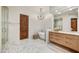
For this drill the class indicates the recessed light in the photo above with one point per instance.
(70, 9)
(59, 12)
(56, 10)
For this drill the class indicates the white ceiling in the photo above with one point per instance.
(58, 10)
(36, 9)
(33, 9)
(52, 9)
(47, 9)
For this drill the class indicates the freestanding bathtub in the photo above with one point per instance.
(42, 35)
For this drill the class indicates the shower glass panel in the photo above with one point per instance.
(4, 26)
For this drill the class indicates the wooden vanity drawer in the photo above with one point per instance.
(71, 43)
(68, 40)
(78, 44)
(57, 40)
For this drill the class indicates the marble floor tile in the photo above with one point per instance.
(32, 46)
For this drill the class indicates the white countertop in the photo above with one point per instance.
(73, 33)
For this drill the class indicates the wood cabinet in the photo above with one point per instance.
(67, 40)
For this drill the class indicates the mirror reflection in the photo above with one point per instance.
(66, 21)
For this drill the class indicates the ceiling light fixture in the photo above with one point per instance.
(56, 10)
(59, 12)
(41, 16)
(70, 9)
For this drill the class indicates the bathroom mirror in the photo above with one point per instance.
(66, 20)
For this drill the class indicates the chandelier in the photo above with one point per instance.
(41, 16)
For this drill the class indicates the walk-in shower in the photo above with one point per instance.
(4, 26)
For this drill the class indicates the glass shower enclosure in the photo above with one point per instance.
(4, 26)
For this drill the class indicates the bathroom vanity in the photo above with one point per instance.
(66, 39)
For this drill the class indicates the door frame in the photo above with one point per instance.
(28, 25)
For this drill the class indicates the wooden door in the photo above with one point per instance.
(23, 26)
(74, 24)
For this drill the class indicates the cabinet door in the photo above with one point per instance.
(78, 44)
(57, 37)
(71, 41)
(23, 26)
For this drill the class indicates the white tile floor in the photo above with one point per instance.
(33, 46)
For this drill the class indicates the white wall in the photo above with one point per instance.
(0, 29)
(35, 25)
(47, 22)
(67, 22)
(14, 23)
